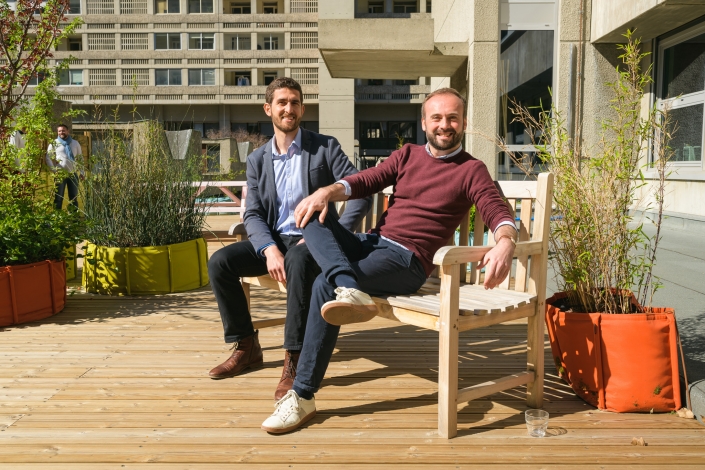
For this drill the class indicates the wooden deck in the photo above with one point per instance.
(121, 383)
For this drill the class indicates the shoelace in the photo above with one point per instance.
(285, 412)
(343, 292)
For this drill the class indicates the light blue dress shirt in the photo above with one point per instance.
(288, 178)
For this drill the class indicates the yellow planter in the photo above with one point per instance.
(71, 262)
(145, 270)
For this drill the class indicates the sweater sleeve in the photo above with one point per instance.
(374, 180)
(489, 202)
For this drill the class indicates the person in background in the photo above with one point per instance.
(62, 155)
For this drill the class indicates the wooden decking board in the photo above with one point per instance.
(120, 383)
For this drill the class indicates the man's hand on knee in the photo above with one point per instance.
(316, 202)
(275, 263)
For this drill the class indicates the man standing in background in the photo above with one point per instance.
(61, 156)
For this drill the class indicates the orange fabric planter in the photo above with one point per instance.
(619, 363)
(30, 292)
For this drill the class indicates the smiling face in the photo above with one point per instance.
(286, 109)
(444, 122)
(62, 131)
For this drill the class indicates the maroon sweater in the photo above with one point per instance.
(430, 198)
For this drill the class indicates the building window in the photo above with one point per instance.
(134, 41)
(268, 77)
(386, 135)
(241, 42)
(375, 7)
(240, 8)
(201, 77)
(36, 79)
(249, 127)
(304, 6)
(206, 128)
(200, 6)
(74, 7)
(167, 41)
(271, 43)
(406, 82)
(270, 8)
(131, 77)
(71, 77)
(405, 7)
(204, 41)
(526, 79)
(100, 7)
(375, 82)
(101, 42)
(243, 78)
(167, 77)
(133, 7)
(102, 77)
(305, 76)
(168, 6)
(681, 90)
(75, 44)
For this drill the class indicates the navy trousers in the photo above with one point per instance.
(69, 183)
(381, 269)
(229, 264)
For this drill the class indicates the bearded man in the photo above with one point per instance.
(434, 187)
(294, 164)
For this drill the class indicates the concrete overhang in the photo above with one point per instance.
(394, 48)
(650, 18)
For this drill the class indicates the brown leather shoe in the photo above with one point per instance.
(247, 354)
(291, 360)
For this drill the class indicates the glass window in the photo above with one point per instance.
(200, 6)
(71, 77)
(375, 7)
(684, 68)
(166, 77)
(74, 7)
(75, 44)
(271, 43)
(375, 82)
(201, 41)
(269, 8)
(686, 143)
(241, 42)
(240, 8)
(405, 82)
(243, 78)
(201, 77)
(168, 6)
(405, 7)
(524, 78)
(167, 41)
(36, 79)
(269, 77)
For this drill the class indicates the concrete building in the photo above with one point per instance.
(205, 65)
(496, 50)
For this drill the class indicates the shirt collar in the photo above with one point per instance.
(443, 157)
(297, 142)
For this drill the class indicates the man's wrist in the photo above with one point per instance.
(508, 237)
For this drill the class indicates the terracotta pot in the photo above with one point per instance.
(622, 362)
(145, 270)
(30, 292)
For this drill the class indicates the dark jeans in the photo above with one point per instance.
(228, 264)
(70, 183)
(381, 268)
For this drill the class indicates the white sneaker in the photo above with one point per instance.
(349, 306)
(290, 413)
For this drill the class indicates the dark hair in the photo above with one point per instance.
(63, 125)
(444, 91)
(282, 82)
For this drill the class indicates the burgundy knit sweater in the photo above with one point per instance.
(430, 197)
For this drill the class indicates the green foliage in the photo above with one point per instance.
(599, 251)
(138, 195)
(30, 229)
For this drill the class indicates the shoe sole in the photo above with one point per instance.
(342, 313)
(250, 367)
(305, 420)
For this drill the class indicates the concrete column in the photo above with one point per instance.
(482, 82)
(388, 7)
(84, 41)
(253, 6)
(117, 6)
(422, 6)
(150, 7)
(336, 108)
(287, 40)
(118, 42)
(254, 77)
(287, 6)
(224, 114)
(253, 41)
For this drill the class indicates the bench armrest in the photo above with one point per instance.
(238, 228)
(471, 254)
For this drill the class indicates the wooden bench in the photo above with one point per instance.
(453, 300)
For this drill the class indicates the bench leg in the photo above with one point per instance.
(535, 359)
(448, 352)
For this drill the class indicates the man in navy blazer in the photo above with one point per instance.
(294, 164)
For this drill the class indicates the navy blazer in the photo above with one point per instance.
(322, 160)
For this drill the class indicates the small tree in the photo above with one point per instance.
(600, 253)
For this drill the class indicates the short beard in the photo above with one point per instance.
(438, 146)
(278, 124)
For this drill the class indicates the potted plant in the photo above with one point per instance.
(33, 236)
(145, 228)
(614, 348)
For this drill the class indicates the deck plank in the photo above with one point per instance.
(121, 383)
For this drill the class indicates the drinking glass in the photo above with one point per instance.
(536, 422)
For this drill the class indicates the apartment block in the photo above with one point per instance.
(205, 65)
